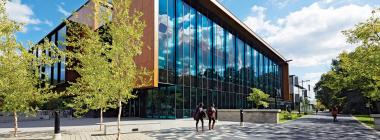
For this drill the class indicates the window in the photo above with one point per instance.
(166, 37)
(204, 50)
(248, 65)
(219, 56)
(62, 64)
(230, 56)
(192, 39)
(240, 61)
(181, 39)
(55, 72)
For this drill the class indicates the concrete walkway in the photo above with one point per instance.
(311, 127)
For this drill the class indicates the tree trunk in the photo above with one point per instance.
(118, 121)
(15, 123)
(101, 118)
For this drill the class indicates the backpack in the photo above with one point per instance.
(210, 112)
(199, 113)
(195, 113)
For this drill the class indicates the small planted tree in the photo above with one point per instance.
(258, 97)
(107, 68)
(90, 58)
(22, 82)
(126, 30)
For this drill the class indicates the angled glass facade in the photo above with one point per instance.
(201, 61)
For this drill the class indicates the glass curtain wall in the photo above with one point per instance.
(219, 62)
(202, 62)
(166, 41)
(55, 73)
(62, 64)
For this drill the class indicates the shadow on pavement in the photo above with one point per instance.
(314, 127)
(68, 122)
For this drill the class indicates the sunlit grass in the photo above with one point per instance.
(366, 119)
(285, 116)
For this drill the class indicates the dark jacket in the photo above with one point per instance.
(199, 113)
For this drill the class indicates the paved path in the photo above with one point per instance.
(311, 127)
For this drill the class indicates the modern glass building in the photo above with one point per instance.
(202, 53)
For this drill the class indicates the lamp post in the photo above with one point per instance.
(301, 99)
(277, 91)
(304, 102)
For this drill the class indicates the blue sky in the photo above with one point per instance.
(40, 16)
(306, 31)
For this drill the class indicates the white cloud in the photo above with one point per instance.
(281, 3)
(313, 75)
(327, 1)
(20, 12)
(310, 36)
(63, 11)
(49, 23)
(315, 33)
(259, 23)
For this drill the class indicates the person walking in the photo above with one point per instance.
(334, 113)
(199, 115)
(211, 113)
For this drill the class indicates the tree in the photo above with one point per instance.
(258, 97)
(23, 86)
(89, 57)
(354, 76)
(319, 106)
(363, 63)
(124, 28)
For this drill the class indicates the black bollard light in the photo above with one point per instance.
(241, 117)
(57, 126)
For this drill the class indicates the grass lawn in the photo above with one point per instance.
(366, 119)
(283, 115)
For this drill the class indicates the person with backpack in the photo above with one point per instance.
(199, 115)
(211, 113)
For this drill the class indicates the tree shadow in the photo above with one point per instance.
(69, 122)
(307, 128)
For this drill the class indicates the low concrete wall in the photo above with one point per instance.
(250, 115)
(6, 117)
(376, 118)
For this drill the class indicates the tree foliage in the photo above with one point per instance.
(89, 56)
(258, 97)
(105, 61)
(23, 85)
(355, 74)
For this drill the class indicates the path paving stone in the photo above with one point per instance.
(311, 127)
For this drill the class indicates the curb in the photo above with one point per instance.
(366, 126)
